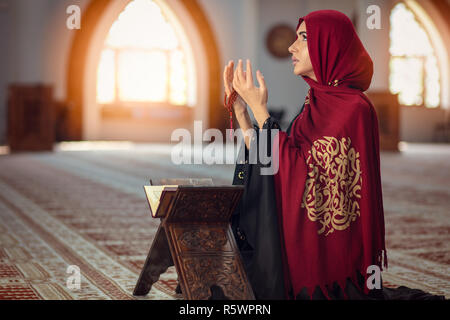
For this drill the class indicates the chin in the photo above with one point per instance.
(298, 71)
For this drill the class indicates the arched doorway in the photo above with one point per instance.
(87, 121)
(419, 69)
(417, 48)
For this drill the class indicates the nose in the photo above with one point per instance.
(291, 47)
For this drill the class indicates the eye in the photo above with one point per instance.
(302, 36)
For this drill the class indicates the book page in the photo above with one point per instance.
(154, 194)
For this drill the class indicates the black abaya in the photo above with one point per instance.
(255, 227)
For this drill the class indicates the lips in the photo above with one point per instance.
(294, 60)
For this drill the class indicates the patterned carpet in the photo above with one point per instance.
(84, 205)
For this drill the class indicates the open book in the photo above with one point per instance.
(155, 193)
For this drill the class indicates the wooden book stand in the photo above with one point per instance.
(195, 235)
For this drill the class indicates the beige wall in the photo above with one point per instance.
(37, 42)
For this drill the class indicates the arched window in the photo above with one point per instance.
(414, 72)
(144, 60)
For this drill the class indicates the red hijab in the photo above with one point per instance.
(328, 185)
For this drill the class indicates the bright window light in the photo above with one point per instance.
(143, 59)
(414, 72)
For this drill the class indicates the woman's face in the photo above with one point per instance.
(300, 54)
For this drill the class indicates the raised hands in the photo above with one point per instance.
(239, 106)
(255, 97)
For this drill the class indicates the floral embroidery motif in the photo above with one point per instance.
(333, 184)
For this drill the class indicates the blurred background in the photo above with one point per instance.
(136, 70)
(91, 91)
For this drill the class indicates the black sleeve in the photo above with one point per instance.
(242, 168)
(255, 224)
(271, 123)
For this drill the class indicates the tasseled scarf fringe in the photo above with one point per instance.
(381, 261)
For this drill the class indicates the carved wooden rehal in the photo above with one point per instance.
(196, 236)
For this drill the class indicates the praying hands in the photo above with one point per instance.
(255, 97)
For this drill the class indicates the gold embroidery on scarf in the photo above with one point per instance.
(333, 184)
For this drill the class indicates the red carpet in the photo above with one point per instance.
(87, 208)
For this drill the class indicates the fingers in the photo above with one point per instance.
(261, 81)
(225, 81)
(228, 77)
(249, 74)
(230, 71)
(242, 78)
(236, 79)
(240, 71)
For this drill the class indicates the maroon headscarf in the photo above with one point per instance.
(328, 185)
